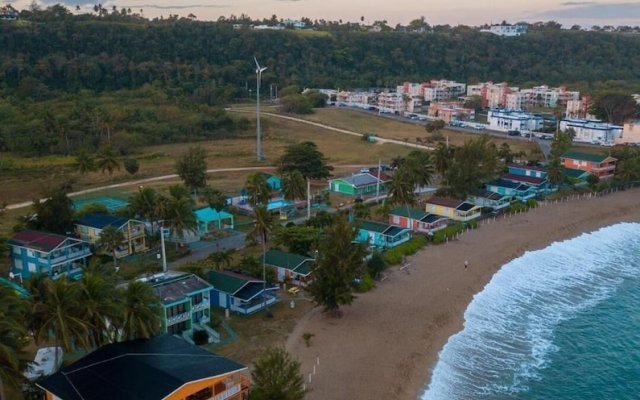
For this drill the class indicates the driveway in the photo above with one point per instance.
(201, 249)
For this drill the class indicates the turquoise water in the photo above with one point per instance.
(111, 203)
(559, 323)
(277, 204)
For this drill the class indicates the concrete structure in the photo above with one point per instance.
(90, 226)
(600, 165)
(8, 13)
(417, 220)
(450, 111)
(209, 219)
(392, 102)
(356, 99)
(443, 90)
(453, 209)
(162, 367)
(493, 95)
(630, 133)
(506, 30)
(540, 96)
(579, 108)
(381, 236)
(592, 131)
(508, 120)
(289, 268)
(33, 252)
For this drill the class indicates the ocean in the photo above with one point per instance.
(561, 323)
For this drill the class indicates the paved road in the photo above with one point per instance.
(203, 248)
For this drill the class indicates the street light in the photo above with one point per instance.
(259, 71)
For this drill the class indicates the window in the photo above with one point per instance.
(197, 299)
(202, 394)
(175, 310)
(177, 329)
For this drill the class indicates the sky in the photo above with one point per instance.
(436, 12)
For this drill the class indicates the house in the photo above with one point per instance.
(162, 367)
(630, 133)
(209, 219)
(507, 30)
(510, 120)
(540, 96)
(487, 199)
(576, 177)
(186, 303)
(33, 252)
(519, 191)
(493, 95)
(274, 182)
(289, 267)
(453, 209)
(417, 220)
(8, 13)
(380, 235)
(599, 165)
(450, 111)
(240, 293)
(592, 131)
(361, 184)
(90, 226)
(533, 171)
(534, 176)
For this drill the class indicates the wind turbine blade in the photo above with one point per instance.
(257, 65)
(263, 69)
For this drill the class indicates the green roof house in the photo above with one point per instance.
(380, 235)
(361, 184)
(289, 267)
(240, 293)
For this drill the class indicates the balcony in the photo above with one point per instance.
(70, 256)
(203, 305)
(232, 391)
(185, 316)
(254, 306)
(136, 232)
(609, 167)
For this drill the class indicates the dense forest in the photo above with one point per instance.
(55, 65)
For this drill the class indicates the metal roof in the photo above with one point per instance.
(576, 155)
(42, 241)
(101, 221)
(176, 288)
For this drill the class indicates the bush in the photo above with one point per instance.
(517, 207)
(200, 337)
(375, 265)
(450, 231)
(365, 283)
(216, 321)
(131, 165)
(395, 255)
(296, 104)
(532, 203)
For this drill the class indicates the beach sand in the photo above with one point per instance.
(388, 340)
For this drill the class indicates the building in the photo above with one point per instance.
(519, 191)
(443, 90)
(240, 293)
(209, 220)
(486, 199)
(33, 252)
(450, 111)
(392, 102)
(186, 303)
(382, 236)
(453, 209)
(417, 220)
(493, 95)
(162, 367)
(90, 226)
(579, 109)
(630, 133)
(413, 89)
(507, 30)
(361, 184)
(600, 165)
(356, 99)
(8, 13)
(542, 97)
(509, 120)
(274, 181)
(576, 177)
(592, 131)
(289, 267)
(534, 176)
(295, 24)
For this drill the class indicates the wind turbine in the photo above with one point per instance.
(259, 71)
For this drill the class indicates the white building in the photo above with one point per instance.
(506, 30)
(592, 131)
(442, 90)
(630, 133)
(269, 27)
(540, 96)
(579, 109)
(356, 99)
(295, 24)
(510, 120)
(636, 97)
(392, 102)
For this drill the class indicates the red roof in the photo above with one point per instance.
(383, 176)
(37, 240)
(443, 201)
(525, 179)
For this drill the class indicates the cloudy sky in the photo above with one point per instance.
(470, 12)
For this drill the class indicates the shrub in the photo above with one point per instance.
(532, 203)
(395, 255)
(307, 336)
(376, 264)
(450, 231)
(131, 165)
(517, 207)
(200, 337)
(216, 321)
(365, 283)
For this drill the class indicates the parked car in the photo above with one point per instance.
(513, 133)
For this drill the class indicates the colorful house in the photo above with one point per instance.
(240, 293)
(289, 267)
(162, 367)
(209, 219)
(186, 303)
(417, 220)
(273, 181)
(361, 184)
(34, 252)
(486, 199)
(576, 177)
(90, 226)
(383, 236)
(530, 175)
(453, 209)
(517, 190)
(599, 165)
(527, 170)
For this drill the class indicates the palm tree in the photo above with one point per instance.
(142, 311)
(213, 197)
(262, 228)
(277, 376)
(99, 307)
(12, 340)
(110, 239)
(293, 186)
(220, 258)
(402, 189)
(441, 158)
(59, 314)
(143, 202)
(107, 160)
(258, 189)
(420, 167)
(176, 211)
(84, 162)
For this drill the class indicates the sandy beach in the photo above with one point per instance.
(388, 341)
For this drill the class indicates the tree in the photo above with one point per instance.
(110, 239)
(361, 211)
(504, 152)
(258, 189)
(262, 228)
(176, 211)
(338, 263)
(420, 167)
(143, 202)
(192, 168)
(442, 156)
(214, 198)
(474, 102)
(142, 310)
(376, 265)
(84, 162)
(107, 160)
(296, 104)
(131, 165)
(593, 181)
(473, 163)
(299, 239)
(402, 188)
(277, 376)
(293, 185)
(309, 161)
(221, 258)
(614, 107)
(13, 340)
(316, 99)
(55, 214)
(555, 169)
(434, 126)
(98, 307)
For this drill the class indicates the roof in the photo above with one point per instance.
(290, 261)
(529, 167)
(576, 155)
(144, 369)
(101, 221)
(229, 282)
(574, 173)
(359, 180)
(42, 241)
(508, 184)
(431, 218)
(466, 206)
(526, 179)
(209, 214)
(485, 194)
(379, 227)
(175, 288)
(444, 201)
(413, 213)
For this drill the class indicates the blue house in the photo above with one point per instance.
(530, 175)
(34, 252)
(273, 181)
(380, 235)
(240, 293)
(487, 199)
(210, 219)
(519, 191)
(527, 170)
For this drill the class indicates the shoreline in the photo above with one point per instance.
(389, 340)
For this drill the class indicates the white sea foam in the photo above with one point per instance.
(509, 326)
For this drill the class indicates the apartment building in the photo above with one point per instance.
(442, 90)
(358, 99)
(630, 133)
(392, 102)
(493, 95)
(579, 108)
(450, 111)
(510, 120)
(506, 30)
(592, 131)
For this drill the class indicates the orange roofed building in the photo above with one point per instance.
(599, 165)
(162, 368)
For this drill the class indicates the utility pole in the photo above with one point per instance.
(378, 184)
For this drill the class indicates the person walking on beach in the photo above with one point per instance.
(466, 264)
